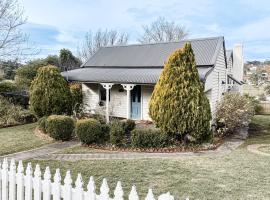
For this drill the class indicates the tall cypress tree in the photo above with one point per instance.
(49, 93)
(178, 104)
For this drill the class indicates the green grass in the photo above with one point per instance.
(19, 138)
(239, 175)
(82, 150)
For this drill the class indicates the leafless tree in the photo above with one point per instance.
(162, 30)
(93, 41)
(13, 42)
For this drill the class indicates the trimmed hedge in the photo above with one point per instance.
(148, 138)
(117, 132)
(129, 125)
(89, 131)
(60, 127)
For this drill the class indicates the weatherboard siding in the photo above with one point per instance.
(90, 96)
(218, 76)
(146, 95)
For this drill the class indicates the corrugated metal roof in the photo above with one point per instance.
(121, 75)
(151, 55)
(229, 54)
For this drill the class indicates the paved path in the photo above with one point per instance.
(254, 148)
(42, 151)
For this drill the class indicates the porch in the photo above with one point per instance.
(128, 101)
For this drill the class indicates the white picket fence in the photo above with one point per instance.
(15, 185)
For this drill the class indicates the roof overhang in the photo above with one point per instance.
(120, 75)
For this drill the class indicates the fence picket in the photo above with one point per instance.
(37, 183)
(91, 195)
(79, 188)
(28, 182)
(104, 190)
(133, 194)
(12, 180)
(5, 179)
(57, 185)
(46, 186)
(15, 185)
(20, 182)
(67, 193)
(150, 195)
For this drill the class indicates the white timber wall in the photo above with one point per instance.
(146, 95)
(90, 96)
(19, 184)
(218, 76)
(118, 103)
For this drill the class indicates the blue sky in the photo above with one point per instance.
(56, 24)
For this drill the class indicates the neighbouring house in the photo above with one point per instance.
(118, 81)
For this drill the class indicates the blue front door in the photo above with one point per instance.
(136, 102)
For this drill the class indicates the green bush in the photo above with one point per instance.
(89, 131)
(8, 86)
(26, 116)
(117, 132)
(148, 138)
(233, 111)
(129, 125)
(49, 93)
(100, 118)
(60, 127)
(42, 124)
(77, 97)
(9, 113)
(256, 103)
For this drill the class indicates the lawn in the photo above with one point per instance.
(19, 138)
(239, 175)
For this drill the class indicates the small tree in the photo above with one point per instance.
(178, 104)
(49, 93)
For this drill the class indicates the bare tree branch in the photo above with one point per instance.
(13, 42)
(163, 31)
(101, 38)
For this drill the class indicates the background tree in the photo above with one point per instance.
(178, 104)
(49, 93)
(163, 31)
(68, 61)
(13, 42)
(9, 68)
(93, 41)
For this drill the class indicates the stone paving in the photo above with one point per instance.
(42, 151)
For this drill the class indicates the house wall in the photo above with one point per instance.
(218, 75)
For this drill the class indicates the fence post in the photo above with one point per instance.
(166, 196)
(12, 180)
(133, 195)
(47, 184)
(118, 192)
(104, 190)
(28, 182)
(67, 187)
(57, 185)
(37, 183)
(150, 195)
(20, 181)
(5, 180)
(91, 195)
(79, 188)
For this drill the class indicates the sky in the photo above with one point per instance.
(55, 24)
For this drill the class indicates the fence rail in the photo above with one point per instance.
(265, 107)
(17, 185)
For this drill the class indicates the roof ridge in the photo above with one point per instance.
(186, 40)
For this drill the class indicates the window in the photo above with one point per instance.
(102, 94)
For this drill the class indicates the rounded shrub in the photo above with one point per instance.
(60, 127)
(42, 123)
(89, 131)
(117, 132)
(148, 138)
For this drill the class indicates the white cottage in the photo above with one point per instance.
(118, 81)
